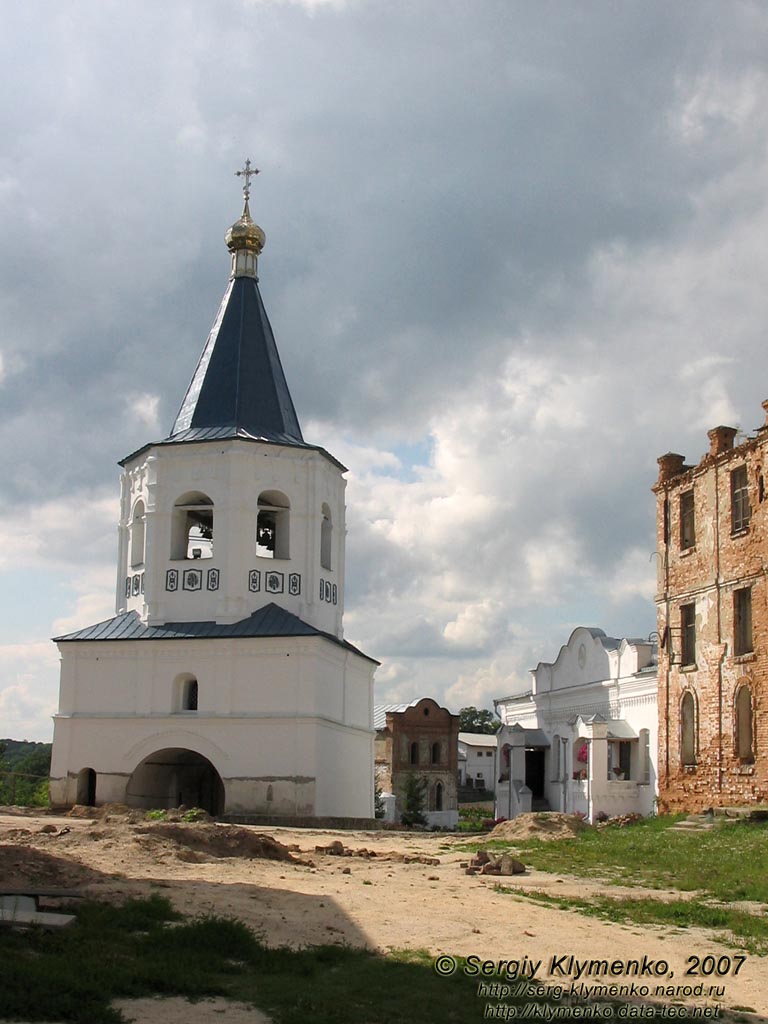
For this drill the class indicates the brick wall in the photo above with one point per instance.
(704, 572)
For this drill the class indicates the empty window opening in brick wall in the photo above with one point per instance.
(744, 731)
(742, 621)
(740, 510)
(687, 521)
(414, 753)
(688, 729)
(665, 521)
(688, 634)
(435, 753)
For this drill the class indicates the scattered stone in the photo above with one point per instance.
(49, 828)
(346, 871)
(485, 863)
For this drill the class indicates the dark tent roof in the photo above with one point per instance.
(239, 381)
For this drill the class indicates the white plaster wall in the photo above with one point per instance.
(478, 762)
(268, 709)
(233, 474)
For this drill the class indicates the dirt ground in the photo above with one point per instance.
(396, 890)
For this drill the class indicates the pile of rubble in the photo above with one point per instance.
(338, 849)
(485, 863)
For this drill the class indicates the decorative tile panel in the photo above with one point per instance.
(142, 583)
(213, 579)
(335, 594)
(294, 583)
(273, 582)
(127, 586)
(136, 587)
(172, 580)
(193, 579)
(254, 581)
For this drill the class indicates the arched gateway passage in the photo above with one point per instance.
(175, 776)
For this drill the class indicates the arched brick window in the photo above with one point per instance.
(688, 729)
(414, 753)
(744, 729)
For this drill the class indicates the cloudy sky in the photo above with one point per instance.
(515, 251)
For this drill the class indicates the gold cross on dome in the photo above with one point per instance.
(247, 173)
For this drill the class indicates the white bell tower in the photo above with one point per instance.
(231, 562)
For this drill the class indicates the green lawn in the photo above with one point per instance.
(728, 863)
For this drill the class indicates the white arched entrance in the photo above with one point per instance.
(175, 776)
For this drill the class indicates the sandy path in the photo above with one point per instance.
(379, 903)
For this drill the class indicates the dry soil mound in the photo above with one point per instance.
(542, 825)
(219, 840)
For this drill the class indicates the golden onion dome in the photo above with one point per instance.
(245, 234)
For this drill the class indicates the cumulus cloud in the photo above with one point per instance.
(511, 258)
(29, 689)
(66, 533)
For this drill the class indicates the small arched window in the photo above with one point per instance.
(186, 692)
(414, 753)
(272, 525)
(326, 536)
(688, 729)
(138, 535)
(189, 700)
(435, 753)
(192, 527)
(744, 726)
(439, 796)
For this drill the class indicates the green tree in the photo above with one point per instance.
(414, 798)
(472, 720)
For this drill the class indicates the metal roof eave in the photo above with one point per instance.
(233, 435)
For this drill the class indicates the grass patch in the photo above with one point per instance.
(143, 949)
(728, 863)
(747, 931)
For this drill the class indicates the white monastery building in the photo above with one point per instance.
(477, 760)
(224, 680)
(583, 739)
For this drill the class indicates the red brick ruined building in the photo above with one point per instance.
(712, 601)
